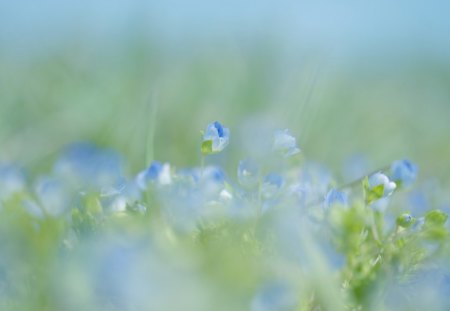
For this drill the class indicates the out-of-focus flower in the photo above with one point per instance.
(379, 181)
(210, 182)
(336, 197)
(214, 174)
(315, 180)
(12, 181)
(203, 175)
(53, 195)
(285, 143)
(156, 172)
(215, 138)
(404, 172)
(191, 194)
(248, 173)
(272, 185)
(87, 167)
(126, 195)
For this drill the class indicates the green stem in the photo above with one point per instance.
(152, 109)
(374, 230)
(259, 200)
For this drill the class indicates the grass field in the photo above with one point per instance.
(100, 226)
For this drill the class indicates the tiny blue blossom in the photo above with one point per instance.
(218, 135)
(404, 172)
(336, 197)
(315, 179)
(156, 172)
(381, 179)
(207, 174)
(215, 173)
(126, 194)
(285, 143)
(211, 182)
(274, 179)
(272, 185)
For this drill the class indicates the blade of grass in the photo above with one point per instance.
(152, 110)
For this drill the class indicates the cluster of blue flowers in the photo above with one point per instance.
(193, 199)
(84, 168)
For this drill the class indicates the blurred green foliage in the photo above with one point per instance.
(112, 98)
(386, 111)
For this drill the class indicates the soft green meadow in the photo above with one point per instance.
(115, 195)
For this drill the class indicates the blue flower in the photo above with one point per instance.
(404, 172)
(156, 172)
(127, 195)
(285, 143)
(274, 179)
(315, 179)
(379, 179)
(53, 195)
(215, 173)
(215, 138)
(248, 173)
(84, 165)
(272, 185)
(207, 174)
(336, 197)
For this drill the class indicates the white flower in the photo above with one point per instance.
(378, 179)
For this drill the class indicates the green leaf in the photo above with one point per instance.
(372, 194)
(378, 191)
(435, 234)
(435, 218)
(365, 183)
(207, 147)
(434, 228)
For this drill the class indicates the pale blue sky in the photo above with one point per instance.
(347, 29)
